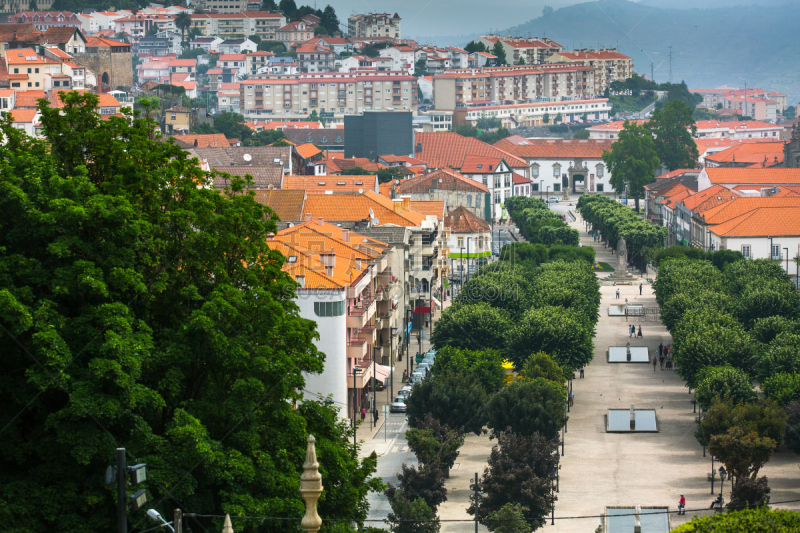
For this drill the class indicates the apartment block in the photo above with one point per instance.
(610, 65)
(261, 23)
(513, 85)
(533, 50)
(374, 25)
(331, 94)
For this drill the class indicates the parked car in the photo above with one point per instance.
(552, 200)
(404, 392)
(398, 405)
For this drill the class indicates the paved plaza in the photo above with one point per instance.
(602, 469)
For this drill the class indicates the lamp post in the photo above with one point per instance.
(375, 351)
(392, 332)
(541, 186)
(713, 474)
(787, 261)
(722, 476)
(408, 331)
(356, 370)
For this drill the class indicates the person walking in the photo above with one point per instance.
(571, 399)
(582, 372)
(363, 413)
(682, 505)
(640, 331)
(633, 330)
(617, 294)
(661, 360)
(375, 416)
(655, 362)
(640, 289)
(660, 348)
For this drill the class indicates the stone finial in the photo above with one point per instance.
(227, 527)
(311, 488)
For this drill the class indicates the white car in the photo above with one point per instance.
(552, 200)
(398, 405)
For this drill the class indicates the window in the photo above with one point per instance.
(329, 308)
(556, 187)
(497, 182)
(556, 171)
(461, 242)
(497, 197)
(478, 201)
(535, 170)
(469, 201)
(535, 187)
(508, 180)
(599, 187)
(746, 251)
(600, 170)
(776, 251)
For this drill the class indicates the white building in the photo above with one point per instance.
(209, 44)
(495, 174)
(469, 239)
(706, 129)
(237, 46)
(403, 57)
(556, 164)
(374, 25)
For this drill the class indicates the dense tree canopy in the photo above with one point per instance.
(471, 327)
(760, 520)
(674, 129)
(632, 160)
(127, 304)
(528, 406)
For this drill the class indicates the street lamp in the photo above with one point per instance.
(356, 371)
(722, 476)
(393, 332)
(375, 351)
(541, 186)
(155, 515)
(787, 261)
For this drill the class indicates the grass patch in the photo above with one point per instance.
(603, 267)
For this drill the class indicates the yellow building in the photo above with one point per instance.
(177, 119)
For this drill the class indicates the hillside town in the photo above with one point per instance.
(250, 242)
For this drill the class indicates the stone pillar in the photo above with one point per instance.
(311, 488)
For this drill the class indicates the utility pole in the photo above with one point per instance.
(177, 521)
(476, 488)
(670, 63)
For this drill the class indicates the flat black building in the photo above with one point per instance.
(377, 133)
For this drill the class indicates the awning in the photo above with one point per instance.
(437, 302)
(382, 372)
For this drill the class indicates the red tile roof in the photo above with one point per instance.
(356, 207)
(765, 176)
(461, 220)
(554, 148)
(448, 149)
(475, 164)
(769, 153)
(735, 208)
(445, 179)
(307, 150)
(428, 207)
(762, 222)
(210, 140)
(323, 184)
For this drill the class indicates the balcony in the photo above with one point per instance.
(359, 316)
(357, 348)
(368, 333)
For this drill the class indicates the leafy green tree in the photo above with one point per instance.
(707, 337)
(581, 134)
(355, 171)
(412, 516)
(675, 129)
(521, 61)
(554, 330)
(435, 444)
(455, 400)
(749, 493)
(471, 327)
(269, 5)
(768, 298)
(421, 67)
(742, 452)
(385, 175)
(521, 471)
(793, 426)
(486, 123)
(288, 8)
(508, 290)
(265, 138)
(540, 365)
(546, 118)
(765, 330)
(127, 304)
(232, 125)
(475, 46)
(723, 382)
(500, 53)
(484, 366)
(761, 520)
(510, 518)
(783, 388)
(528, 406)
(764, 417)
(329, 20)
(790, 112)
(314, 117)
(782, 355)
(673, 311)
(632, 160)
(425, 482)
(559, 118)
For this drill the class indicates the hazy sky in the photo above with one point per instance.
(448, 17)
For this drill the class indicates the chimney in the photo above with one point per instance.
(398, 206)
(329, 270)
(345, 235)
(406, 203)
(358, 263)
(195, 143)
(308, 217)
(270, 236)
(301, 280)
(320, 221)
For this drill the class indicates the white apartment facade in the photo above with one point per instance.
(374, 25)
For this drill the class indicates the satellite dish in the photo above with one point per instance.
(371, 214)
(360, 191)
(247, 157)
(375, 221)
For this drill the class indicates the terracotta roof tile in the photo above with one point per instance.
(761, 176)
(555, 148)
(288, 205)
(428, 207)
(448, 149)
(740, 206)
(355, 207)
(307, 150)
(768, 153)
(762, 222)
(323, 184)
(210, 140)
(461, 220)
(29, 99)
(23, 115)
(446, 179)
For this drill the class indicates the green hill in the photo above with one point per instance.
(710, 47)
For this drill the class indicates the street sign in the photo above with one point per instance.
(385, 411)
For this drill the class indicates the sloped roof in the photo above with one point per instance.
(476, 164)
(355, 207)
(263, 176)
(60, 34)
(29, 99)
(554, 148)
(23, 115)
(428, 207)
(307, 150)
(360, 162)
(235, 155)
(210, 140)
(766, 176)
(769, 153)
(708, 198)
(288, 205)
(762, 222)
(322, 184)
(445, 179)
(740, 206)
(448, 149)
(318, 136)
(461, 220)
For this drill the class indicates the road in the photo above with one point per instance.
(389, 464)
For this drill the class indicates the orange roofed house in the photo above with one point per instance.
(347, 284)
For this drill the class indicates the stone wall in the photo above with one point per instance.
(116, 66)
